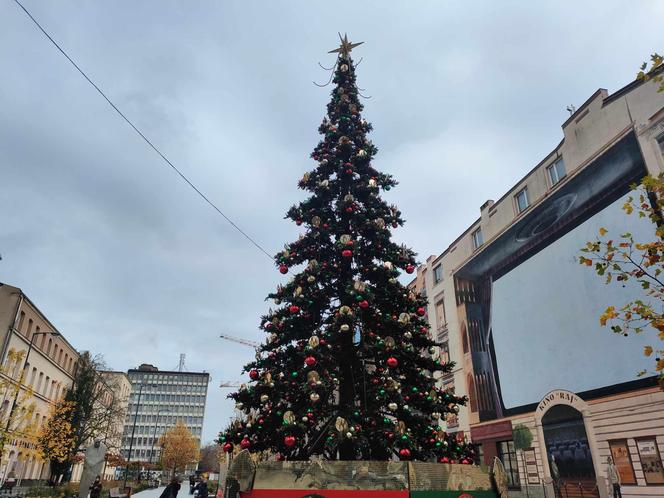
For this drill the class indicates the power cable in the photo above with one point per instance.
(140, 133)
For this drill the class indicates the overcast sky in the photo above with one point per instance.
(125, 260)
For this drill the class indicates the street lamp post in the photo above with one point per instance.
(131, 441)
(20, 381)
(154, 435)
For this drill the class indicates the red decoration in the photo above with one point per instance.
(310, 361)
(444, 460)
(410, 269)
(392, 362)
(294, 308)
(289, 441)
(346, 253)
(245, 443)
(253, 374)
(228, 447)
(404, 453)
(465, 461)
(298, 222)
(349, 209)
(364, 304)
(420, 311)
(283, 269)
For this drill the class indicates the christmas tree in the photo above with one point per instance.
(347, 369)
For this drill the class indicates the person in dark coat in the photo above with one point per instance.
(95, 488)
(202, 488)
(171, 491)
(192, 483)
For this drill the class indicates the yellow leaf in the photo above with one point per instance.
(647, 350)
(602, 231)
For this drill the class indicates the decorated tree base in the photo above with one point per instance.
(331, 479)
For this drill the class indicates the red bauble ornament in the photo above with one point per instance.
(392, 362)
(298, 222)
(410, 269)
(283, 269)
(289, 441)
(245, 443)
(346, 253)
(253, 374)
(404, 453)
(444, 460)
(465, 461)
(420, 311)
(310, 361)
(280, 457)
(228, 447)
(294, 308)
(349, 209)
(364, 304)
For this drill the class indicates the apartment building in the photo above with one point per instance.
(47, 367)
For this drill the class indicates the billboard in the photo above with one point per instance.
(539, 315)
(545, 318)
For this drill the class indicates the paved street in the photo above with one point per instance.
(152, 493)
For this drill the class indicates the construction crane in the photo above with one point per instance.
(226, 383)
(245, 342)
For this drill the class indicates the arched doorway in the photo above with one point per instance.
(567, 446)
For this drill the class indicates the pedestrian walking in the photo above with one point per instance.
(202, 488)
(192, 483)
(614, 477)
(171, 491)
(95, 488)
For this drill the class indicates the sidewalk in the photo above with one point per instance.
(152, 492)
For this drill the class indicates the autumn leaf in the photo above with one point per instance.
(602, 231)
(647, 350)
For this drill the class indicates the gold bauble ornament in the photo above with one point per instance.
(314, 341)
(345, 310)
(314, 397)
(345, 327)
(289, 417)
(341, 424)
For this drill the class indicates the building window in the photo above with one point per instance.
(441, 319)
(556, 171)
(622, 461)
(445, 352)
(651, 462)
(437, 274)
(478, 240)
(660, 142)
(521, 200)
(507, 455)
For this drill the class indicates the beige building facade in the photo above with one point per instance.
(119, 392)
(478, 304)
(48, 371)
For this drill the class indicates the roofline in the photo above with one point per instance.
(167, 371)
(53, 327)
(630, 86)
(584, 105)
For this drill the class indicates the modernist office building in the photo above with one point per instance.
(166, 397)
(512, 306)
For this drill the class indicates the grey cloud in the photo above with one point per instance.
(123, 257)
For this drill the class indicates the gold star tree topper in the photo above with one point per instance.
(345, 47)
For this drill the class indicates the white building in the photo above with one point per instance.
(166, 398)
(521, 316)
